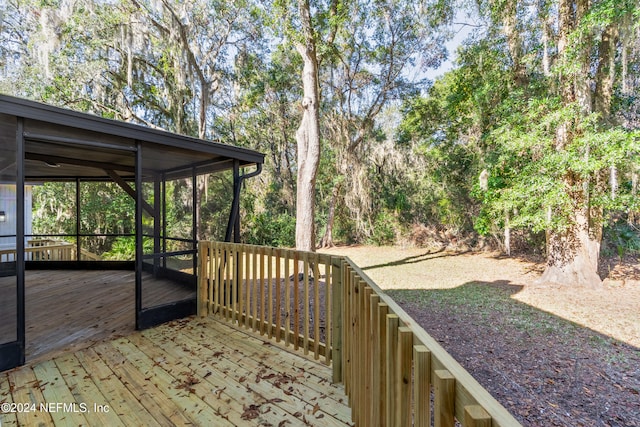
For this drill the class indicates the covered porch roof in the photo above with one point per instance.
(64, 144)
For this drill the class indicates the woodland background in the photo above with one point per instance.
(530, 143)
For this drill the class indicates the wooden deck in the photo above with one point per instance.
(70, 309)
(188, 372)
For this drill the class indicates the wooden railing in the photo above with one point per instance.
(326, 305)
(48, 250)
(268, 299)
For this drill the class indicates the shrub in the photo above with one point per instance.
(268, 229)
(621, 238)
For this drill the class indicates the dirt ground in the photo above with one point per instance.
(552, 355)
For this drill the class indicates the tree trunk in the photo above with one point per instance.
(507, 235)
(572, 254)
(514, 41)
(634, 193)
(308, 135)
(327, 239)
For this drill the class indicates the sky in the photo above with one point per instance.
(464, 23)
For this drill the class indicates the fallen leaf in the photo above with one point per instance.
(219, 392)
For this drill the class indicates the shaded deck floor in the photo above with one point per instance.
(69, 309)
(188, 372)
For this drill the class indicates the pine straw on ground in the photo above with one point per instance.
(553, 356)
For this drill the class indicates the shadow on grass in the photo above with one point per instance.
(415, 259)
(545, 369)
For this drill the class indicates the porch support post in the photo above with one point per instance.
(163, 177)
(139, 251)
(233, 226)
(194, 217)
(78, 211)
(156, 221)
(20, 256)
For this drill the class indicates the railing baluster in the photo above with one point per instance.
(228, 284)
(383, 311)
(262, 284)
(270, 292)
(219, 279)
(392, 361)
(403, 377)
(316, 308)
(328, 310)
(255, 289)
(305, 258)
(247, 286)
(234, 286)
(296, 301)
(287, 300)
(278, 297)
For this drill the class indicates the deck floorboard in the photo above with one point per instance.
(187, 372)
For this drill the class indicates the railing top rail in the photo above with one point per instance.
(38, 248)
(291, 253)
(466, 385)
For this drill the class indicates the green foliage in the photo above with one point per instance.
(127, 61)
(124, 249)
(271, 230)
(621, 238)
(50, 216)
(531, 177)
(386, 229)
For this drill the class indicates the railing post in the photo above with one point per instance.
(247, 285)
(356, 374)
(218, 275)
(203, 287)
(476, 416)
(374, 352)
(270, 293)
(367, 349)
(338, 318)
(444, 390)
(383, 311)
(347, 327)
